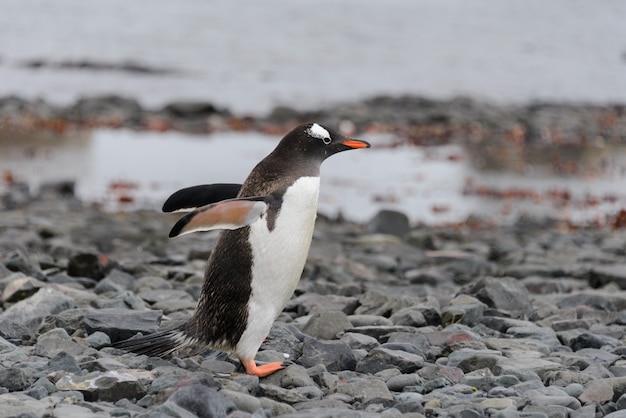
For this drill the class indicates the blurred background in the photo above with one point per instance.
(485, 108)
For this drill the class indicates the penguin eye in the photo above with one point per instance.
(327, 140)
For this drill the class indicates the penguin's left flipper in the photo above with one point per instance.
(228, 214)
(190, 198)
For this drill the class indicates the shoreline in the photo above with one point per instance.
(412, 120)
(564, 141)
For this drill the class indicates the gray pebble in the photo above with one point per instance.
(398, 383)
(327, 325)
(13, 379)
(334, 355)
(366, 320)
(389, 222)
(383, 358)
(98, 340)
(65, 362)
(242, 401)
(366, 390)
(202, 401)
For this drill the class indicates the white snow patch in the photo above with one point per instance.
(316, 131)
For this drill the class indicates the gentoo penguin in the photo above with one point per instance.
(259, 257)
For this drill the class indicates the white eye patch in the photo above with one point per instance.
(316, 131)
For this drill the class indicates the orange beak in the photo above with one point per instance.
(356, 143)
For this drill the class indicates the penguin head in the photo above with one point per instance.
(314, 141)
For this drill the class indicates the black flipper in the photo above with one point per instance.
(193, 197)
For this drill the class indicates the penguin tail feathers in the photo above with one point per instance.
(160, 344)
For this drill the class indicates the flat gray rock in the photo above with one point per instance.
(602, 275)
(366, 390)
(29, 312)
(503, 293)
(381, 358)
(120, 324)
(335, 355)
(327, 325)
(13, 379)
(109, 386)
(203, 401)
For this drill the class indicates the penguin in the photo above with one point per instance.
(267, 227)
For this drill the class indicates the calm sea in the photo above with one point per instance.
(251, 56)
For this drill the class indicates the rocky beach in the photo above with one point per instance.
(390, 318)
(471, 263)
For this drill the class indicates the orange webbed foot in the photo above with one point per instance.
(263, 370)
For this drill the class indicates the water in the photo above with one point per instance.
(428, 184)
(252, 56)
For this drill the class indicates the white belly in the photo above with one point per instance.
(279, 257)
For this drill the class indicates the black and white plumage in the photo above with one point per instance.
(259, 257)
